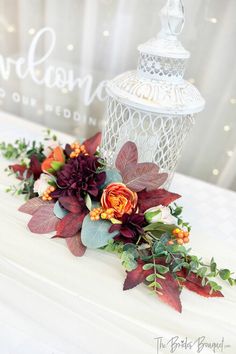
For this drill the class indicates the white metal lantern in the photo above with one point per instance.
(154, 106)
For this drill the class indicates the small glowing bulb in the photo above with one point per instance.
(215, 172)
(64, 90)
(232, 100)
(106, 33)
(31, 31)
(37, 72)
(191, 80)
(70, 47)
(227, 128)
(229, 153)
(39, 112)
(11, 29)
(213, 20)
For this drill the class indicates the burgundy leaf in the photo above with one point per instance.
(75, 245)
(136, 276)
(170, 292)
(143, 176)
(71, 204)
(69, 225)
(154, 198)
(194, 283)
(43, 220)
(35, 167)
(32, 205)
(92, 144)
(20, 170)
(128, 154)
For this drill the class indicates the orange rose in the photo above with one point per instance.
(118, 197)
(54, 161)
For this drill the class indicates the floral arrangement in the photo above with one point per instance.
(72, 193)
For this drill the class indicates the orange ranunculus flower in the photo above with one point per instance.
(54, 161)
(118, 197)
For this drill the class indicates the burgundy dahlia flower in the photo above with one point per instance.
(78, 177)
(130, 229)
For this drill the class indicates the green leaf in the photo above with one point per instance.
(151, 277)
(88, 202)
(224, 274)
(155, 285)
(95, 234)
(202, 271)
(213, 267)
(56, 165)
(59, 211)
(148, 266)
(161, 269)
(160, 226)
(159, 276)
(132, 249)
(128, 261)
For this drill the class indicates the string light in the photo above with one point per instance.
(39, 112)
(11, 29)
(191, 80)
(64, 90)
(37, 72)
(70, 47)
(232, 100)
(31, 31)
(230, 153)
(106, 33)
(212, 20)
(215, 172)
(227, 128)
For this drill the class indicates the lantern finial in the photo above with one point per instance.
(172, 18)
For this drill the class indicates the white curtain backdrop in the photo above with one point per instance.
(99, 38)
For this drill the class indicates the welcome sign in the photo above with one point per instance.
(51, 77)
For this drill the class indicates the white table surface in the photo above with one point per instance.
(54, 303)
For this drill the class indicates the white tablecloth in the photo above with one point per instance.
(54, 303)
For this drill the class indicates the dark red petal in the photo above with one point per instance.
(115, 227)
(35, 167)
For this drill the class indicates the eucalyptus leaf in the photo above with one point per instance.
(95, 234)
(112, 176)
(224, 274)
(148, 266)
(161, 269)
(59, 211)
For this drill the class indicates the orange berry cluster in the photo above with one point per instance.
(46, 194)
(77, 149)
(181, 236)
(98, 213)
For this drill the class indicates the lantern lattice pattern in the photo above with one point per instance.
(154, 106)
(160, 137)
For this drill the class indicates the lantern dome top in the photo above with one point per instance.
(158, 85)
